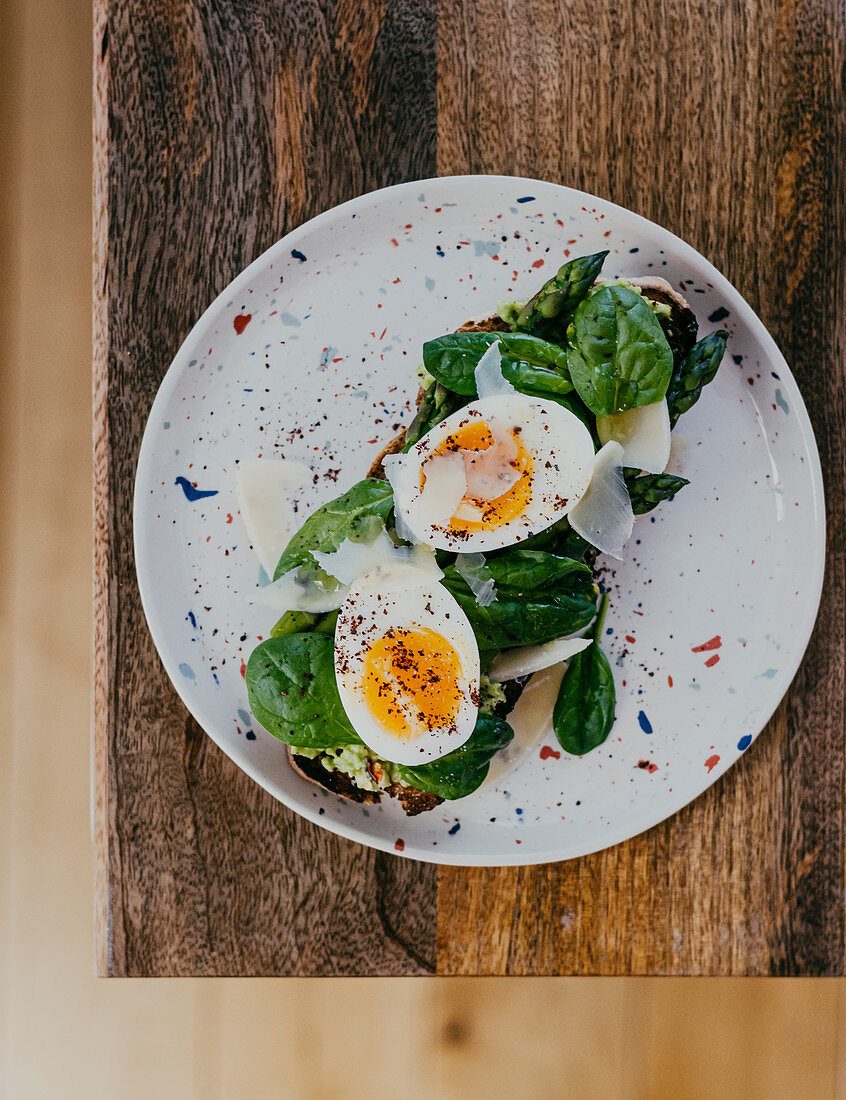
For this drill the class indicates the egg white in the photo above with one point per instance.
(376, 604)
(562, 454)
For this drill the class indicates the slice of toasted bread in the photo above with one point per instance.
(411, 799)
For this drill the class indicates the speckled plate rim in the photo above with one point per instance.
(636, 823)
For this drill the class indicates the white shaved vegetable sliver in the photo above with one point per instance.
(644, 434)
(401, 479)
(352, 560)
(264, 488)
(604, 515)
(446, 484)
(490, 380)
(293, 593)
(490, 473)
(533, 658)
(473, 569)
(350, 563)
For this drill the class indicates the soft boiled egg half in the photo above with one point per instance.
(497, 471)
(407, 667)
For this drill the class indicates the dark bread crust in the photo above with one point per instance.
(337, 782)
(681, 328)
(494, 323)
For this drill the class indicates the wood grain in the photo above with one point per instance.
(260, 1039)
(218, 127)
(724, 122)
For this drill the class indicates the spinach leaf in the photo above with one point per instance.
(648, 491)
(694, 372)
(358, 515)
(292, 691)
(531, 365)
(559, 539)
(540, 596)
(436, 405)
(619, 357)
(552, 308)
(460, 772)
(584, 710)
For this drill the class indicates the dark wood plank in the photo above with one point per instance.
(220, 126)
(724, 122)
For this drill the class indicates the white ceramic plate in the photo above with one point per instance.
(310, 354)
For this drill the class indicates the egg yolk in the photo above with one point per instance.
(411, 681)
(477, 436)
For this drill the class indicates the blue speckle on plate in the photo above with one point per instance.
(455, 828)
(192, 493)
(187, 671)
(745, 741)
(527, 198)
(644, 722)
(718, 315)
(295, 252)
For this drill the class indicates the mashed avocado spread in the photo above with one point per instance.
(352, 760)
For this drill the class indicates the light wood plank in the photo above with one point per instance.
(744, 1038)
(64, 1034)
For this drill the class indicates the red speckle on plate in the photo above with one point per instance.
(669, 681)
(538, 263)
(228, 517)
(244, 669)
(399, 845)
(547, 751)
(712, 661)
(630, 639)
(712, 643)
(712, 762)
(240, 322)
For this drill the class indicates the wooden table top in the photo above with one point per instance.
(219, 126)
